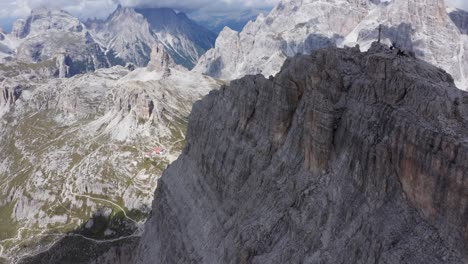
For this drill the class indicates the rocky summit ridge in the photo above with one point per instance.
(300, 27)
(342, 157)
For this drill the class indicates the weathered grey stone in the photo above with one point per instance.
(160, 59)
(460, 18)
(343, 157)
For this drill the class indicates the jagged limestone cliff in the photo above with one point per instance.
(302, 26)
(343, 157)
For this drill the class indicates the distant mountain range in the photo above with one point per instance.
(235, 20)
(126, 36)
(296, 27)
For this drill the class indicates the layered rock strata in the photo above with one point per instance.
(343, 157)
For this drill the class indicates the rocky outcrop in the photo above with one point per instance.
(343, 157)
(421, 26)
(61, 61)
(130, 33)
(10, 92)
(47, 31)
(126, 36)
(18, 29)
(292, 27)
(160, 60)
(460, 18)
(125, 33)
(299, 27)
(43, 19)
(185, 40)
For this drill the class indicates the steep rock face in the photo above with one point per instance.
(185, 40)
(125, 37)
(125, 34)
(18, 28)
(460, 18)
(296, 27)
(46, 32)
(129, 34)
(343, 157)
(62, 61)
(422, 26)
(160, 59)
(292, 27)
(43, 19)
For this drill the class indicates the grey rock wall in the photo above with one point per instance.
(343, 157)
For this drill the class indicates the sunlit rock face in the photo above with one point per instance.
(126, 36)
(292, 27)
(299, 27)
(160, 60)
(422, 27)
(47, 32)
(129, 34)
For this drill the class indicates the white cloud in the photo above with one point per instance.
(85, 8)
(101, 8)
(463, 4)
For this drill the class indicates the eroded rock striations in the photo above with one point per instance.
(343, 157)
(300, 27)
(292, 27)
(160, 59)
(47, 33)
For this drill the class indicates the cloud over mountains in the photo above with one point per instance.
(12, 9)
(101, 8)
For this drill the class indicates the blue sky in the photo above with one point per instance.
(463, 4)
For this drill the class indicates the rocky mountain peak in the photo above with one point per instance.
(125, 34)
(129, 33)
(295, 27)
(460, 18)
(160, 60)
(292, 27)
(341, 151)
(121, 11)
(44, 19)
(185, 40)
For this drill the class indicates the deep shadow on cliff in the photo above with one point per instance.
(109, 235)
(343, 157)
